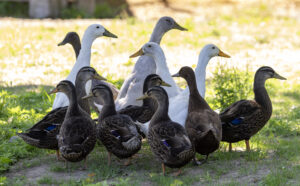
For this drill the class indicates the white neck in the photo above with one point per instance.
(84, 58)
(163, 71)
(200, 72)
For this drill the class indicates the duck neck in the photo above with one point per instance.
(261, 94)
(80, 91)
(200, 72)
(161, 113)
(157, 34)
(76, 46)
(73, 108)
(84, 57)
(108, 108)
(195, 99)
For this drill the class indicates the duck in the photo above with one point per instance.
(145, 65)
(154, 50)
(91, 33)
(203, 125)
(44, 133)
(117, 132)
(168, 140)
(77, 134)
(244, 118)
(73, 39)
(143, 114)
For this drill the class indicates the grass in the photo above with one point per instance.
(253, 35)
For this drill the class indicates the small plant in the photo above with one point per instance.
(230, 84)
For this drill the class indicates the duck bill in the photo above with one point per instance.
(97, 76)
(143, 97)
(163, 83)
(109, 34)
(62, 43)
(277, 76)
(176, 75)
(87, 96)
(53, 91)
(138, 53)
(178, 27)
(222, 54)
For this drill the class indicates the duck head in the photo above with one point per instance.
(156, 92)
(154, 80)
(168, 23)
(64, 86)
(101, 92)
(88, 73)
(211, 50)
(149, 49)
(97, 30)
(185, 72)
(71, 38)
(267, 73)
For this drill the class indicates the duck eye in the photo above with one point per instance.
(168, 20)
(149, 46)
(97, 27)
(213, 47)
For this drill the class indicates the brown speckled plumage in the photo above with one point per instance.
(167, 139)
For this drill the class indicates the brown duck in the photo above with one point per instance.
(203, 125)
(243, 119)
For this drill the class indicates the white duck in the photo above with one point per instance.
(178, 105)
(91, 33)
(155, 51)
(145, 65)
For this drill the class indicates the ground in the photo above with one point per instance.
(253, 33)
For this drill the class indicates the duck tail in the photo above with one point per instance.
(133, 143)
(186, 154)
(28, 139)
(39, 139)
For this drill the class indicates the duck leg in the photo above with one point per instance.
(108, 158)
(57, 155)
(128, 161)
(178, 172)
(195, 161)
(247, 145)
(84, 164)
(163, 168)
(230, 147)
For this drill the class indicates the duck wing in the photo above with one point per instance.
(173, 137)
(236, 112)
(51, 120)
(199, 124)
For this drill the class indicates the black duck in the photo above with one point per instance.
(245, 118)
(168, 140)
(117, 132)
(77, 134)
(203, 125)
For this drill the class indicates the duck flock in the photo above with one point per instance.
(176, 123)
